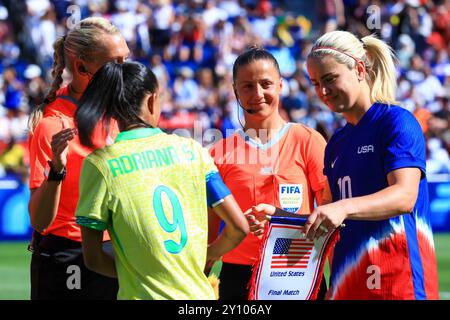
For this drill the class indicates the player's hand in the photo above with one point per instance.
(261, 210)
(325, 219)
(256, 217)
(60, 145)
(211, 258)
(256, 226)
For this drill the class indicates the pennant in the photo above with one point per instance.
(289, 267)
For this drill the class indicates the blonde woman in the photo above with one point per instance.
(375, 166)
(56, 155)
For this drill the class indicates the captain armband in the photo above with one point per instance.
(216, 189)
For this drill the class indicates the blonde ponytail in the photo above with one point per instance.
(83, 41)
(57, 70)
(376, 55)
(381, 72)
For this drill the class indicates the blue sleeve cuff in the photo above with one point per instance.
(216, 190)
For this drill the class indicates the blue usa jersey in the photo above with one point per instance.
(388, 259)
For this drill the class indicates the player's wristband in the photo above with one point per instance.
(55, 176)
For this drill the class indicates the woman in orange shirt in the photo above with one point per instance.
(269, 161)
(56, 155)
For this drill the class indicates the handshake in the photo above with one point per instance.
(316, 224)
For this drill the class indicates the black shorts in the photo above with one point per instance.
(58, 272)
(234, 280)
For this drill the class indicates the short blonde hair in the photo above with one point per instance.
(378, 58)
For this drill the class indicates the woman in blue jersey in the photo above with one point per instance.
(375, 167)
(150, 190)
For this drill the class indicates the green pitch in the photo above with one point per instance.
(15, 261)
(442, 243)
(14, 271)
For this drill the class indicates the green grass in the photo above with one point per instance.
(442, 243)
(15, 262)
(14, 271)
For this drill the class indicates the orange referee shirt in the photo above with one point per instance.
(284, 172)
(39, 143)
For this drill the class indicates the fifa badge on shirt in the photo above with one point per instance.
(291, 197)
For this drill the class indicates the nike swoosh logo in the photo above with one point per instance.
(332, 164)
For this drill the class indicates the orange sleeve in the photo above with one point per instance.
(315, 153)
(40, 149)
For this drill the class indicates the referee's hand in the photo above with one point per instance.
(60, 145)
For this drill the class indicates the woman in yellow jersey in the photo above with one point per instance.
(57, 269)
(150, 190)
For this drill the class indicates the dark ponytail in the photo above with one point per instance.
(104, 90)
(115, 92)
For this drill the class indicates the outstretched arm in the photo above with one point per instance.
(235, 230)
(398, 198)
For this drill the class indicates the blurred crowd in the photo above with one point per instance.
(191, 46)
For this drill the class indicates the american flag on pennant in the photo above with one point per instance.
(290, 267)
(291, 253)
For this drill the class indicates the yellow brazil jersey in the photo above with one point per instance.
(148, 190)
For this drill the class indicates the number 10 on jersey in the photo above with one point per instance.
(345, 187)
